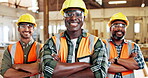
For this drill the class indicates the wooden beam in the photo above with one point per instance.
(46, 19)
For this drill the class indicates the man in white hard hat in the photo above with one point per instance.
(20, 59)
(124, 55)
(74, 53)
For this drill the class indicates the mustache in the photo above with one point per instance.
(118, 31)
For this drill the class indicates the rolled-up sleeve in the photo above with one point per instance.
(139, 59)
(99, 60)
(47, 62)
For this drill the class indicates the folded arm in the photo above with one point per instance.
(86, 73)
(115, 68)
(31, 68)
(12, 73)
(69, 69)
(129, 63)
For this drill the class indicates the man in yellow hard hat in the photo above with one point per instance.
(74, 53)
(20, 59)
(124, 55)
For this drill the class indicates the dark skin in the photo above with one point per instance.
(74, 25)
(77, 69)
(23, 70)
(122, 64)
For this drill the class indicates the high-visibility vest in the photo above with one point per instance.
(17, 53)
(125, 52)
(85, 47)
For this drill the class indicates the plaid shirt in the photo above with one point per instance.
(139, 59)
(98, 58)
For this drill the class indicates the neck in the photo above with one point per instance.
(26, 41)
(118, 42)
(74, 34)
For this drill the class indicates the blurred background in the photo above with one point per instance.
(50, 21)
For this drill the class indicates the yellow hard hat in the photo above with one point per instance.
(118, 16)
(27, 18)
(74, 3)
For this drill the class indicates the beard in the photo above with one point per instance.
(26, 36)
(115, 36)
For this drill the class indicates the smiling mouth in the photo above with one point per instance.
(74, 24)
(119, 32)
(26, 32)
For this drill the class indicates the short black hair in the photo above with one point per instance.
(74, 8)
(25, 22)
(119, 20)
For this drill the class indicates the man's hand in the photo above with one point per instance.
(55, 57)
(133, 55)
(112, 60)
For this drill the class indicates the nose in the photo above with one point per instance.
(120, 28)
(73, 17)
(26, 28)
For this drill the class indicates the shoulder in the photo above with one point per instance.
(99, 43)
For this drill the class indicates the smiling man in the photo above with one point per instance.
(20, 59)
(74, 53)
(124, 55)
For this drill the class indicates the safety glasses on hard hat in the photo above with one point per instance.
(70, 13)
(28, 25)
(118, 25)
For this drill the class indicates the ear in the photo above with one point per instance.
(18, 29)
(110, 28)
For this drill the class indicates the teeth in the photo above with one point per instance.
(26, 32)
(74, 24)
(119, 33)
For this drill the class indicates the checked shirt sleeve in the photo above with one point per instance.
(99, 60)
(139, 59)
(47, 62)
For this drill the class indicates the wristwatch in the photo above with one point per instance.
(116, 59)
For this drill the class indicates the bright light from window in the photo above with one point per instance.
(137, 27)
(117, 2)
(6, 29)
(50, 29)
(34, 7)
(107, 28)
(54, 29)
(3, 0)
(41, 27)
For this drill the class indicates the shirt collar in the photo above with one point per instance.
(111, 40)
(24, 44)
(84, 34)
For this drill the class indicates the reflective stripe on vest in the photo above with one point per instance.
(125, 52)
(85, 47)
(17, 53)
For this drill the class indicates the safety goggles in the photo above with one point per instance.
(71, 13)
(28, 25)
(118, 25)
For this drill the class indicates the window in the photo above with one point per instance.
(137, 27)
